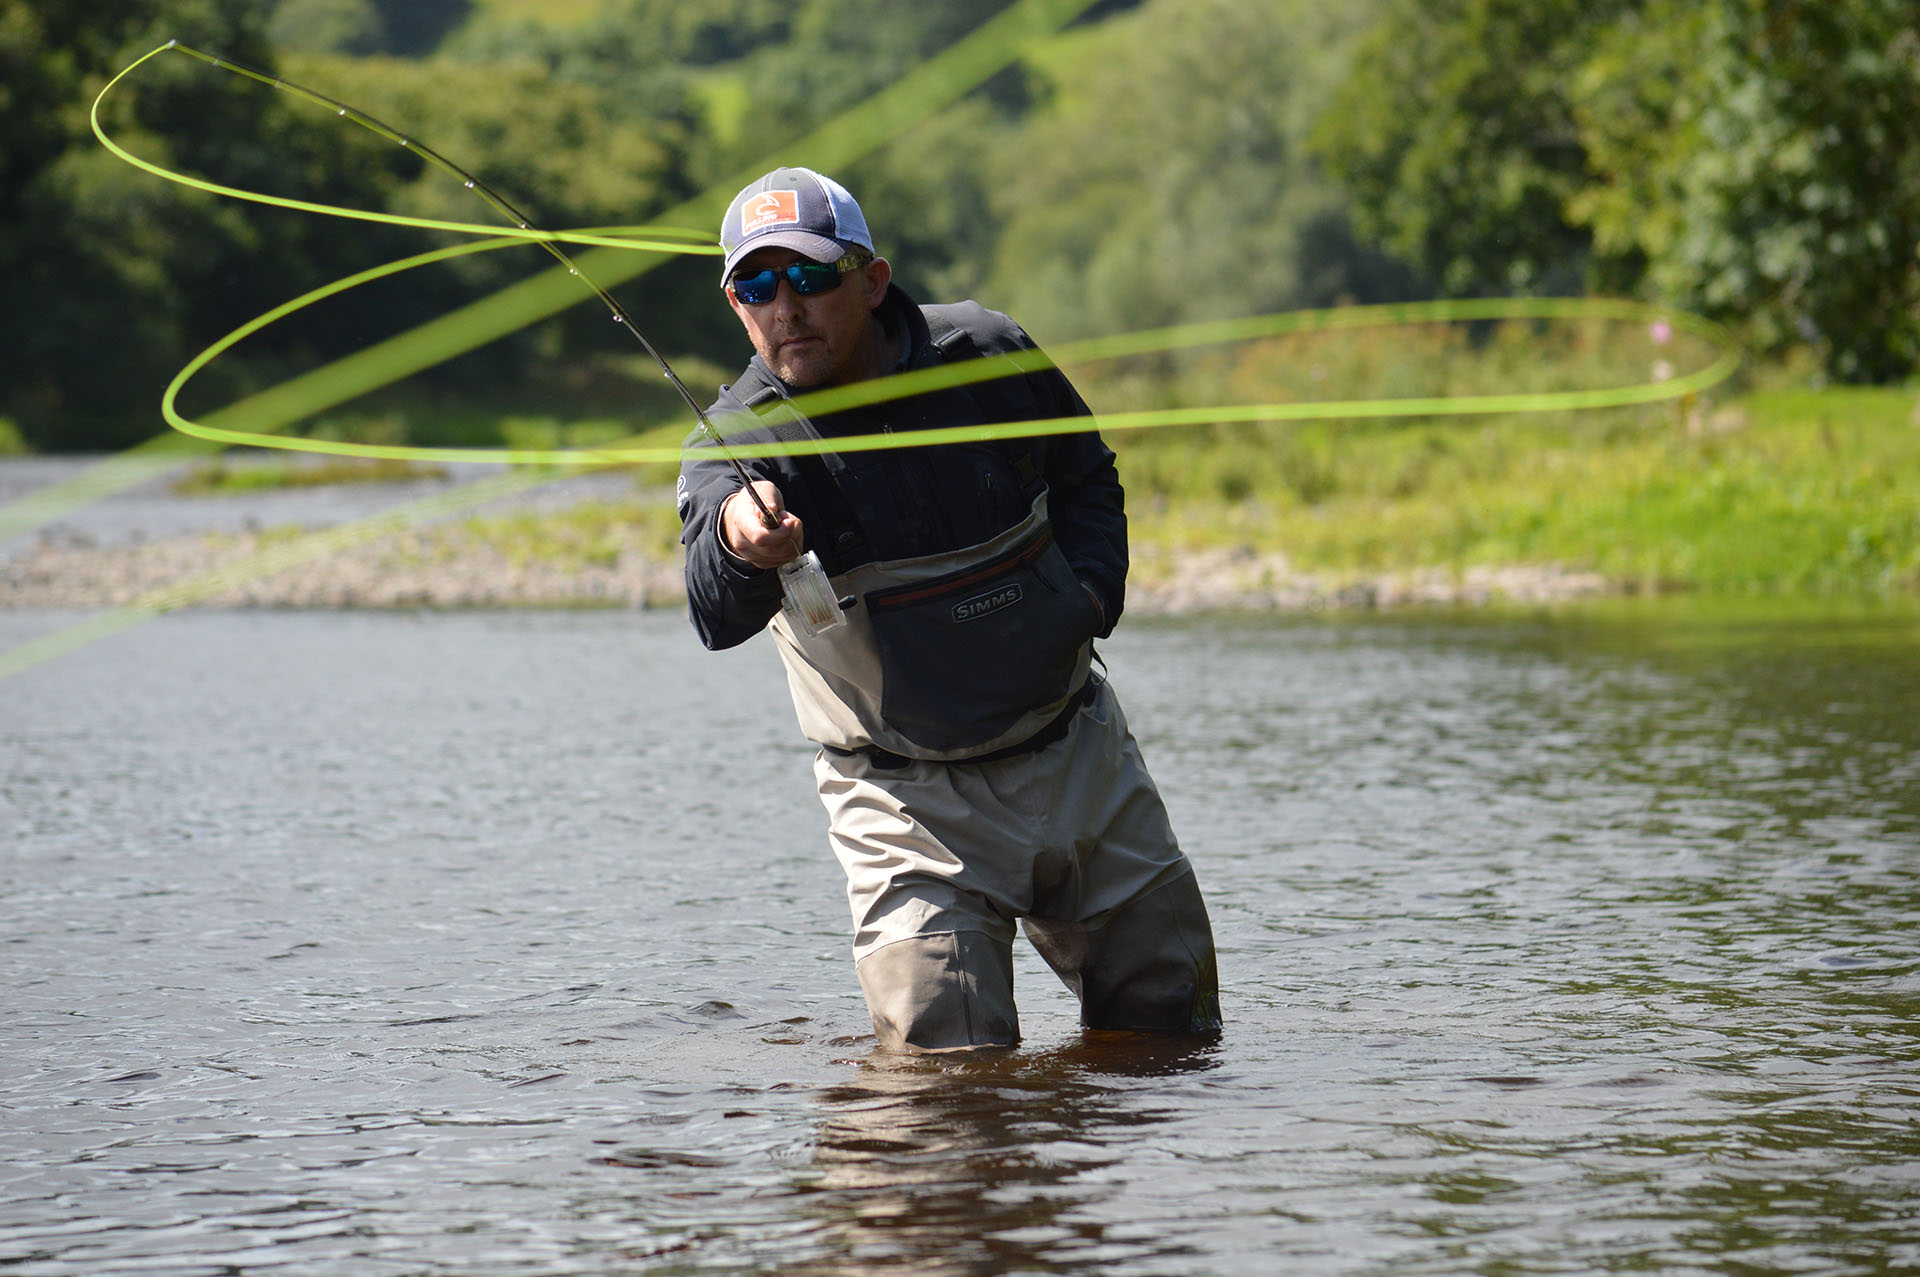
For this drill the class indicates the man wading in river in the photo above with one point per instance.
(974, 768)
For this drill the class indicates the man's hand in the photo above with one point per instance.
(749, 539)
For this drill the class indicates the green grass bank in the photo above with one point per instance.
(1774, 489)
(1777, 492)
(1768, 486)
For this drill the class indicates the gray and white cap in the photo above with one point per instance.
(793, 208)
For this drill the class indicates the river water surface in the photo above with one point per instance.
(510, 944)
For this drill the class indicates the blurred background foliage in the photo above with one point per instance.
(1158, 161)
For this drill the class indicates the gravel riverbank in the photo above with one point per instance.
(441, 567)
(320, 547)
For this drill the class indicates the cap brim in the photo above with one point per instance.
(819, 248)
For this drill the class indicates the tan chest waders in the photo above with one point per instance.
(947, 656)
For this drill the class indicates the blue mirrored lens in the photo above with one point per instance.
(756, 288)
(807, 279)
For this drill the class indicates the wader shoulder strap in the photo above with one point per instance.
(997, 399)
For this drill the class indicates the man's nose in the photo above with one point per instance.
(787, 301)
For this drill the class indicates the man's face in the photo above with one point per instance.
(827, 339)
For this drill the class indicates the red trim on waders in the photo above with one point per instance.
(907, 595)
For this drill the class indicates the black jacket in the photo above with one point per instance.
(908, 502)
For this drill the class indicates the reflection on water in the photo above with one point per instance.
(946, 1167)
(1569, 941)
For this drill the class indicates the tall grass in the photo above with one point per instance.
(1776, 491)
(587, 403)
(592, 533)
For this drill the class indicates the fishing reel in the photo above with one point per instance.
(807, 598)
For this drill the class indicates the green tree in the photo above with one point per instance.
(326, 26)
(1163, 176)
(1757, 160)
(727, 82)
(407, 28)
(559, 150)
(1456, 142)
(111, 278)
(566, 153)
(415, 28)
(1761, 160)
(649, 58)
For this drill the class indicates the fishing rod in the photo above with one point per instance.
(803, 580)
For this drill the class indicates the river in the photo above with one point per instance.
(1569, 940)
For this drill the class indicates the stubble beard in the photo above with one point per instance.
(809, 365)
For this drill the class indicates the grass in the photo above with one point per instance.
(1778, 495)
(228, 476)
(1780, 489)
(1777, 491)
(590, 534)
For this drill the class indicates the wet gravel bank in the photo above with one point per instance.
(443, 568)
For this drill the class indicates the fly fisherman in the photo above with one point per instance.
(974, 768)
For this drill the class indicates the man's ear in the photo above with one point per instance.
(878, 275)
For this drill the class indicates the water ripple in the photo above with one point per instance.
(409, 945)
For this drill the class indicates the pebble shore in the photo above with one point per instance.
(439, 568)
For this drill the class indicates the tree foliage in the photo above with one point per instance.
(556, 149)
(1143, 191)
(109, 280)
(1456, 143)
(1758, 160)
(1163, 160)
(1762, 159)
(408, 28)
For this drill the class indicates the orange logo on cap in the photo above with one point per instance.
(771, 209)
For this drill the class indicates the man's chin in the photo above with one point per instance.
(802, 369)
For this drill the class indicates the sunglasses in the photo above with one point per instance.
(807, 278)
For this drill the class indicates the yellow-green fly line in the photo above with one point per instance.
(668, 239)
(618, 254)
(840, 140)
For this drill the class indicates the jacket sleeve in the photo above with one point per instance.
(1085, 501)
(728, 601)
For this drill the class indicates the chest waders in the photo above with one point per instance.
(946, 656)
(979, 656)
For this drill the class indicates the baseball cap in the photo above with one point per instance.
(793, 208)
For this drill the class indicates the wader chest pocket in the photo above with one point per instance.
(963, 656)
